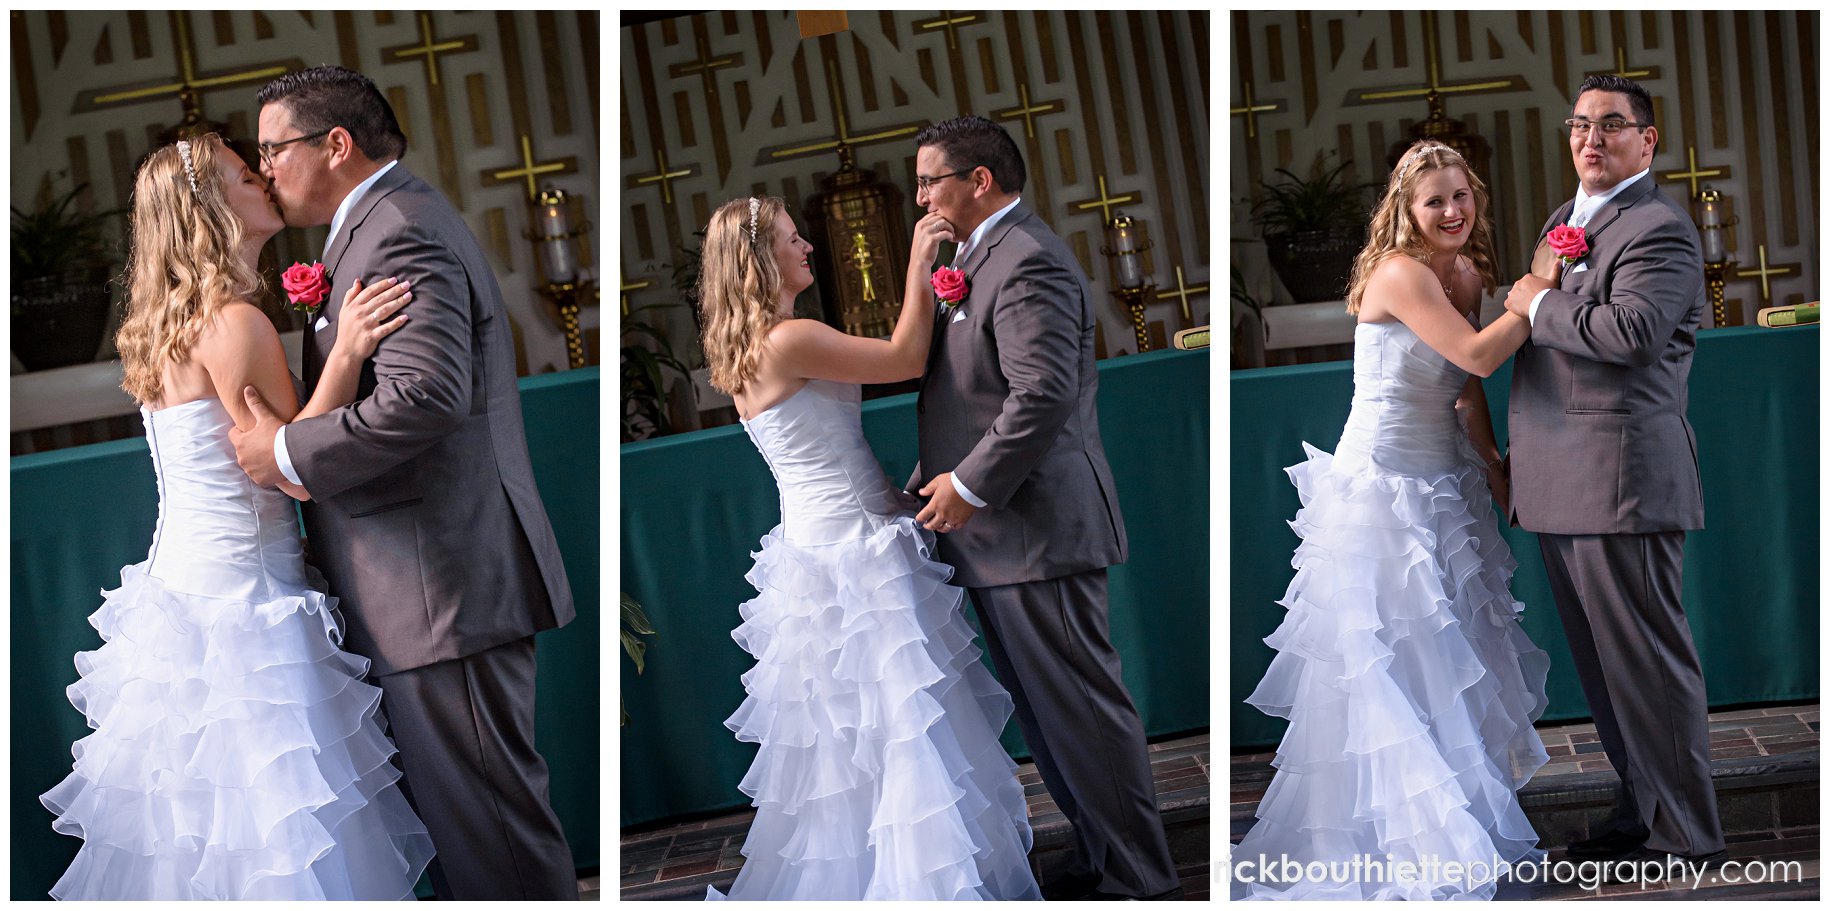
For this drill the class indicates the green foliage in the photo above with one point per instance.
(647, 356)
(1324, 202)
(56, 237)
(634, 625)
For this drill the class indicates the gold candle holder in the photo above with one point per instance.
(562, 289)
(1128, 243)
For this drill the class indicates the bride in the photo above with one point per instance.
(236, 752)
(1408, 683)
(879, 774)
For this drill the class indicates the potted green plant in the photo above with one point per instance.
(63, 259)
(635, 625)
(1313, 228)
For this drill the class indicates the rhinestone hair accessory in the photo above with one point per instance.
(1417, 154)
(755, 207)
(190, 169)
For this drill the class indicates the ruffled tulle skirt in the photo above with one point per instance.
(878, 773)
(1410, 689)
(236, 754)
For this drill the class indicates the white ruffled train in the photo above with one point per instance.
(879, 774)
(236, 754)
(1410, 688)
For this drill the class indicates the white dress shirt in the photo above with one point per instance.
(336, 224)
(959, 256)
(1585, 208)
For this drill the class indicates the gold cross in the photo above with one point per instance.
(844, 136)
(1766, 293)
(663, 176)
(189, 83)
(628, 287)
(1620, 66)
(1104, 203)
(529, 169)
(1251, 112)
(947, 21)
(430, 49)
(1695, 175)
(1435, 70)
(705, 63)
(1029, 111)
(1182, 292)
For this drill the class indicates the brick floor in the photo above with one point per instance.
(1769, 809)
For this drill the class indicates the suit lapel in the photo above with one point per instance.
(1621, 202)
(388, 183)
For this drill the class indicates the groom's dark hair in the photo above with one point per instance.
(971, 141)
(331, 96)
(1638, 98)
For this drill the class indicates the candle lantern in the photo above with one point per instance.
(557, 247)
(1713, 226)
(1128, 245)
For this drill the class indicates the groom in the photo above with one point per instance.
(1028, 514)
(424, 516)
(1604, 469)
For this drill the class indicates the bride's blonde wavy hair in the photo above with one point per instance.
(184, 264)
(739, 284)
(1394, 231)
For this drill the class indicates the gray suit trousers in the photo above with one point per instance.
(1050, 645)
(1620, 596)
(465, 730)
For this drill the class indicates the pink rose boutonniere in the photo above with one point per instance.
(950, 286)
(306, 286)
(1569, 243)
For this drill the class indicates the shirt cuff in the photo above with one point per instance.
(283, 460)
(1531, 315)
(965, 494)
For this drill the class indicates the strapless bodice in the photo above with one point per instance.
(832, 488)
(1403, 419)
(219, 534)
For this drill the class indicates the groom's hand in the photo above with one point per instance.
(946, 511)
(254, 446)
(1518, 300)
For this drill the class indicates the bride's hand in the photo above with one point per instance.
(929, 232)
(1499, 481)
(363, 322)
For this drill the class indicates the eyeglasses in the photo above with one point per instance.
(1580, 126)
(924, 184)
(268, 148)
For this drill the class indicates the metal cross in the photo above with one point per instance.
(189, 83)
(529, 169)
(1766, 292)
(1182, 293)
(844, 136)
(1695, 175)
(663, 176)
(705, 63)
(1251, 111)
(430, 48)
(1105, 203)
(1029, 111)
(947, 21)
(1434, 55)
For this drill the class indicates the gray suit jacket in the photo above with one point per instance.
(1008, 404)
(424, 516)
(1599, 440)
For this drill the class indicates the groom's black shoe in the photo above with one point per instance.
(1611, 845)
(1068, 888)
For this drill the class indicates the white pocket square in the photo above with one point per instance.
(958, 314)
(1579, 267)
(320, 324)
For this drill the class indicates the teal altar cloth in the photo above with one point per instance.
(695, 505)
(1750, 576)
(81, 514)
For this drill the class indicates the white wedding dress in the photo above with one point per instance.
(236, 752)
(879, 774)
(1408, 683)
